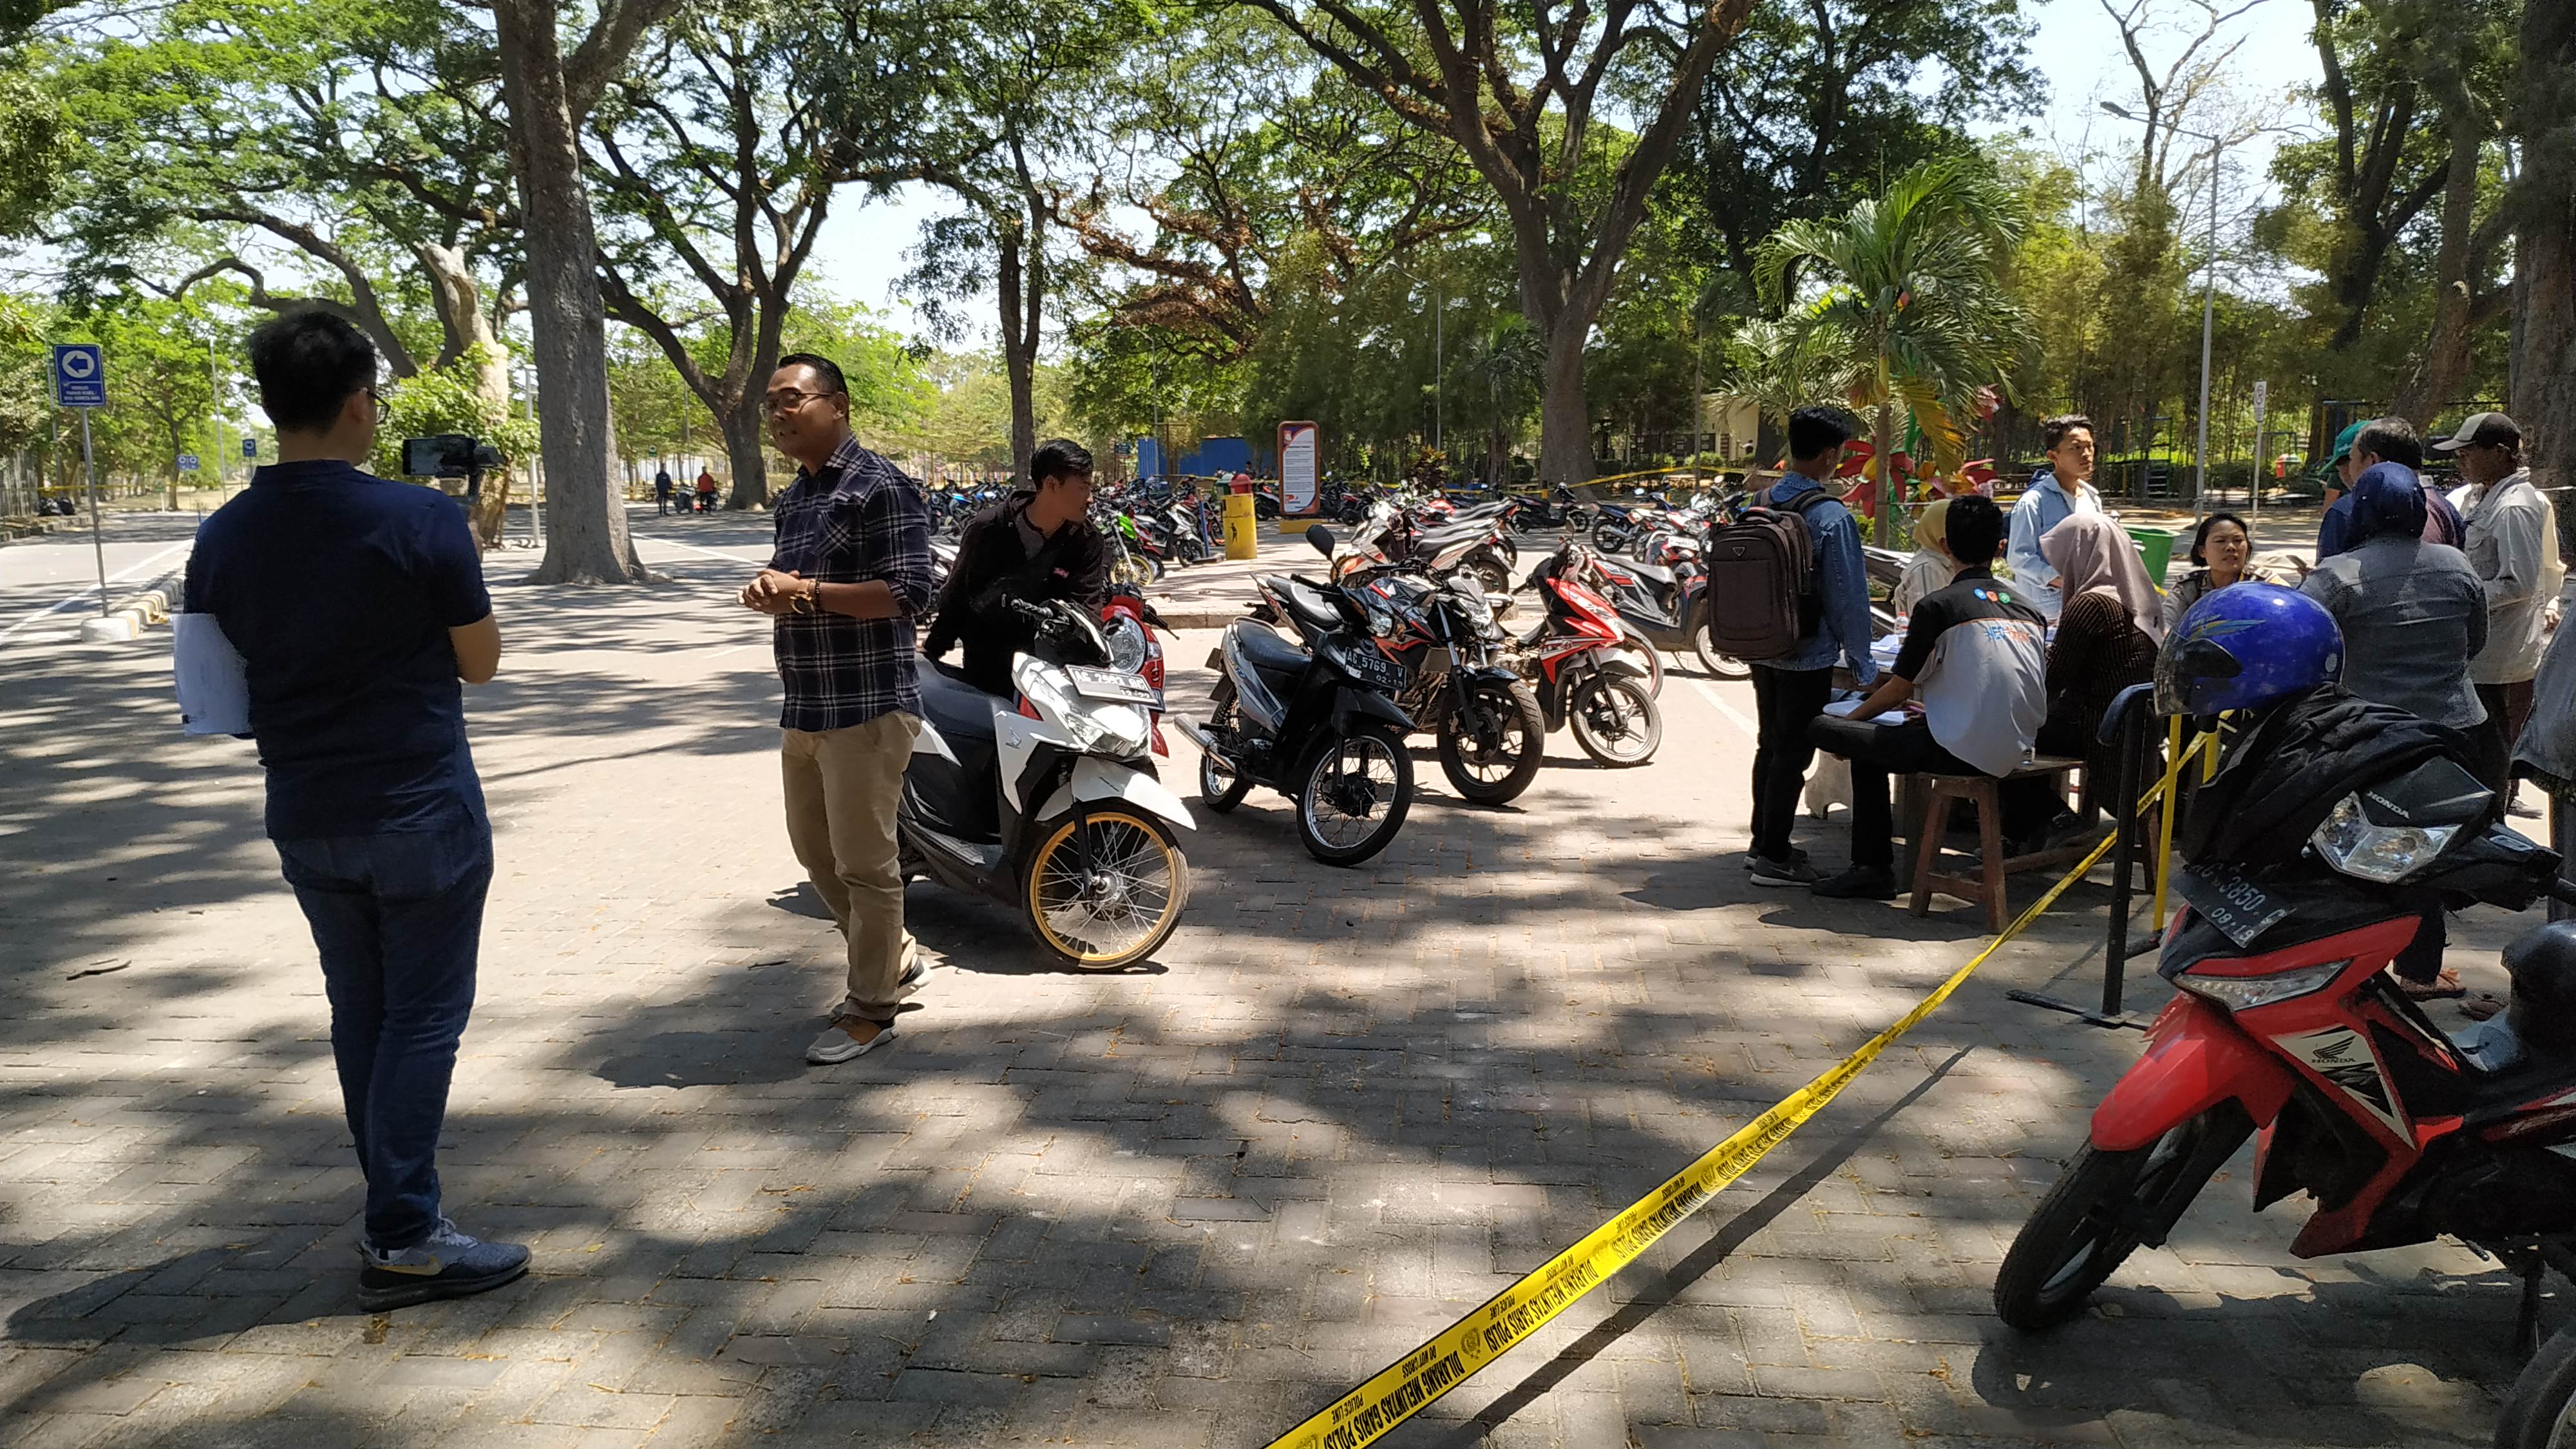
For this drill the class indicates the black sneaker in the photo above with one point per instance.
(446, 1264)
(1797, 856)
(1791, 872)
(1860, 883)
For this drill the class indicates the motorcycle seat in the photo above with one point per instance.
(1304, 600)
(1651, 573)
(1450, 535)
(1265, 651)
(1482, 512)
(956, 708)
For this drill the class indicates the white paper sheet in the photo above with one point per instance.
(214, 696)
(1844, 707)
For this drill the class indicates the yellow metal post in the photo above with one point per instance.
(1242, 537)
(2174, 757)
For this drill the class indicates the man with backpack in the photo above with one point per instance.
(1789, 594)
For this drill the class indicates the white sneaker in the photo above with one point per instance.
(916, 976)
(838, 1044)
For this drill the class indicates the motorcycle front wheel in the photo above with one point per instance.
(1492, 574)
(2097, 1213)
(2540, 1413)
(1106, 888)
(1615, 721)
(1352, 796)
(1492, 744)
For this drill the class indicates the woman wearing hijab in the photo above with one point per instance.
(2413, 614)
(1931, 568)
(2107, 635)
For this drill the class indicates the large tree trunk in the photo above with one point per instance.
(1022, 282)
(586, 539)
(459, 301)
(1564, 414)
(2544, 354)
(2438, 372)
(743, 435)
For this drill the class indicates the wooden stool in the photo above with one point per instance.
(1986, 887)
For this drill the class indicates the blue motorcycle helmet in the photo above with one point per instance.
(2246, 646)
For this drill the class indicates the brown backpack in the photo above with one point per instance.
(1762, 597)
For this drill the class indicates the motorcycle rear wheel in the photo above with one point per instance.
(1723, 666)
(2093, 1219)
(1615, 721)
(2540, 1413)
(1494, 775)
(1492, 574)
(1327, 784)
(1106, 888)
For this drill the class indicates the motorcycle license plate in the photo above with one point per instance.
(2239, 908)
(1374, 668)
(1110, 684)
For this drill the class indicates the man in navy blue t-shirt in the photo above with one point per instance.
(357, 606)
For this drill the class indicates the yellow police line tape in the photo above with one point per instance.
(1403, 1388)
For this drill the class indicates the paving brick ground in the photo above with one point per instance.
(1183, 1205)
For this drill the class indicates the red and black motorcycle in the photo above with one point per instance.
(1588, 672)
(1488, 727)
(2287, 1024)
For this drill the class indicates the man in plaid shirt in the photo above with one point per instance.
(848, 575)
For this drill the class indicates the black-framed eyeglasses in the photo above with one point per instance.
(790, 400)
(383, 408)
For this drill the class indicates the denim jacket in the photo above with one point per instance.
(1842, 580)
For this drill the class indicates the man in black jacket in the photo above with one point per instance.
(1035, 545)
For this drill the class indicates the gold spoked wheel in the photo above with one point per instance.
(1107, 888)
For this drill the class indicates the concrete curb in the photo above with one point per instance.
(127, 618)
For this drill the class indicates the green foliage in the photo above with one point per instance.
(26, 401)
(446, 399)
(1818, 102)
(1913, 297)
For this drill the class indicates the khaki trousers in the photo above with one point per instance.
(842, 789)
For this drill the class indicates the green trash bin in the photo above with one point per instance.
(2155, 549)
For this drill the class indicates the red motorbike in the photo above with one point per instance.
(2287, 1026)
(1588, 673)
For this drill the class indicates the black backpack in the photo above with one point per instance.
(1762, 580)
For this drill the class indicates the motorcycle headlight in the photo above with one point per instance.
(2385, 854)
(1126, 645)
(2238, 993)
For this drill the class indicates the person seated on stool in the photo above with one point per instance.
(1973, 682)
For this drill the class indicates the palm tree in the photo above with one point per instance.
(1511, 360)
(1779, 368)
(1911, 300)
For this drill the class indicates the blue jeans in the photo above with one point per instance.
(397, 918)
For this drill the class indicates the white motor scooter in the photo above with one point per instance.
(1049, 802)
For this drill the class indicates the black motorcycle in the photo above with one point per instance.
(1489, 729)
(1319, 724)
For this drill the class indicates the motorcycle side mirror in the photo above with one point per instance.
(1322, 538)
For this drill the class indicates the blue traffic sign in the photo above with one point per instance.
(187, 462)
(250, 447)
(80, 375)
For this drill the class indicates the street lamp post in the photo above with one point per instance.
(1439, 353)
(2208, 293)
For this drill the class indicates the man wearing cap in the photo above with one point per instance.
(2508, 526)
(2364, 446)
